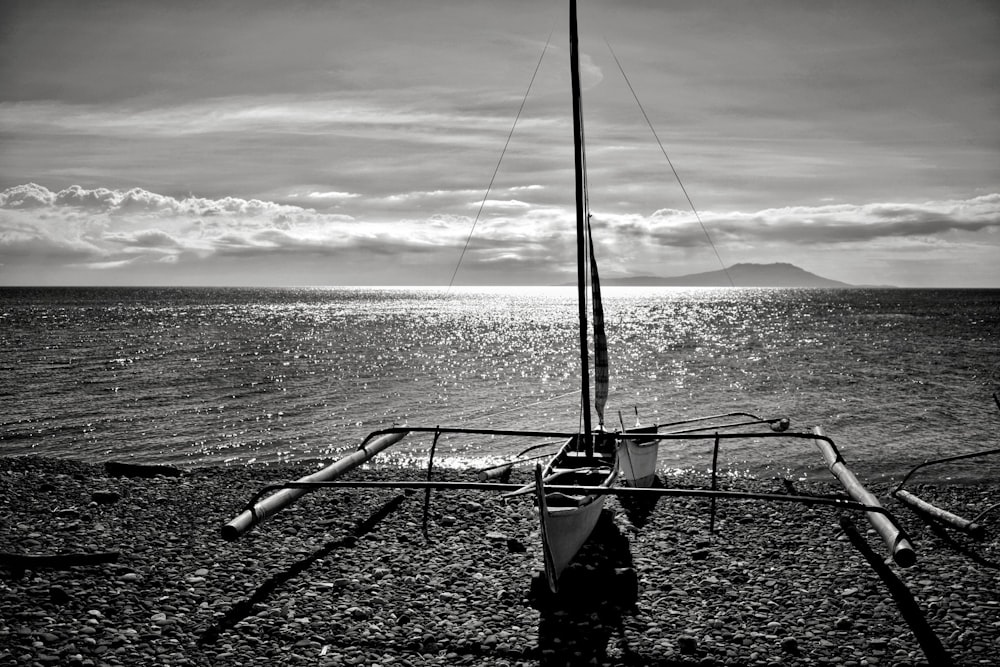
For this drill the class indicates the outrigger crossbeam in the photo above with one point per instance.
(711, 422)
(903, 554)
(859, 499)
(840, 502)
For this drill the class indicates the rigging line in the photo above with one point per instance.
(496, 170)
(704, 229)
(677, 176)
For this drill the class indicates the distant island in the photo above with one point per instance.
(779, 274)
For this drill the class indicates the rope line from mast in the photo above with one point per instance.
(677, 176)
(496, 170)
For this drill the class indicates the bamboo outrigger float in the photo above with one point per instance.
(257, 512)
(571, 489)
(890, 532)
(971, 526)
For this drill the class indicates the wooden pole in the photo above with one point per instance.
(581, 238)
(974, 529)
(715, 476)
(900, 547)
(274, 503)
(430, 474)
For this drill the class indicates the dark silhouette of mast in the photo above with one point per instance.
(581, 219)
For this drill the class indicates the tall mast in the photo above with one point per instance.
(581, 219)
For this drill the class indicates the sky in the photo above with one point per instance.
(357, 143)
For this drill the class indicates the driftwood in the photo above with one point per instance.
(899, 546)
(121, 469)
(19, 562)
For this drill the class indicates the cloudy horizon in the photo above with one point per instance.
(311, 143)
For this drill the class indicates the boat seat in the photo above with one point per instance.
(602, 470)
(581, 460)
(578, 476)
(558, 499)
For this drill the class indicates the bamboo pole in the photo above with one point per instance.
(430, 474)
(715, 485)
(974, 529)
(899, 546)
(269, 506)
(513, 490)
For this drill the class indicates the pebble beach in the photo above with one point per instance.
(355, 577)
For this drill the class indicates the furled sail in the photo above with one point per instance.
(601, 374)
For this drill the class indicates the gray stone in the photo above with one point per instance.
(687, 644)
(790, 645)
(105, 497)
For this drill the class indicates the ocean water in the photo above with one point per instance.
(232, 376)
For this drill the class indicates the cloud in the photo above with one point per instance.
(26, 196)
(99, 199)
(109, 228)
(151, 238)
(507, 205)
(828, 224)
(137, 230)
(19, 241)
(332, 195)
(403, 114)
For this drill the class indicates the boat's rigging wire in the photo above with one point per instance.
(694, 209)
(677, 176)
(496, 170)
(586, 194)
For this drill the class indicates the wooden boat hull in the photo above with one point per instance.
(567, 528)
(637, 458)
(567, 520)
(638, 463)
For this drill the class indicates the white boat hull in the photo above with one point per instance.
(637, 457)
(568, 520)
(569, 528)
(638, 462)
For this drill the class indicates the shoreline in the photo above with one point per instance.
(347, 577)
(969, 473)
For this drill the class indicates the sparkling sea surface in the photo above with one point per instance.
(232, 375)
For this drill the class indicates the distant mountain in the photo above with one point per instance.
(779, 274)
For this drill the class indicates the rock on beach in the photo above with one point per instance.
(331, 582)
